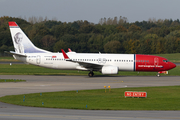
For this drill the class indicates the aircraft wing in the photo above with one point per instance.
(14, 53)
(89, 65)
(81, 63)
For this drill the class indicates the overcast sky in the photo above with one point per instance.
(91, 10)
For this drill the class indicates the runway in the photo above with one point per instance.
(39, 83)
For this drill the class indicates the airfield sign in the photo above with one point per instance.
(135, 94)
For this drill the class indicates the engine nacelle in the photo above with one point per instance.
(109, 70)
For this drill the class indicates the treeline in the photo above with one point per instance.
(112, 35)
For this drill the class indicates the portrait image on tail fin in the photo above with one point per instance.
(22, 44)
(18, 40)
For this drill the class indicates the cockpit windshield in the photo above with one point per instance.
(165, 60)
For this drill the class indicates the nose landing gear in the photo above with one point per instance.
(165, 72)
(158, 75)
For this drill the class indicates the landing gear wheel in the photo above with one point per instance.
(90, 74)
(158, 75)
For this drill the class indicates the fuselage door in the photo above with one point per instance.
(156, 61)
(38, 59)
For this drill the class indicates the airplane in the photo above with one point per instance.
(26, 52)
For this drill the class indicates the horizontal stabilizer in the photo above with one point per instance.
(14, 53)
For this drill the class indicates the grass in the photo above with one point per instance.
(8, 59)
(23, 69)
(158, 98)
(11, 80)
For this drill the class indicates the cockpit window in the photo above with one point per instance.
(165, 60)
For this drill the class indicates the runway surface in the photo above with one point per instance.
(39, 83)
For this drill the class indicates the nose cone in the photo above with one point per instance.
(172, 65)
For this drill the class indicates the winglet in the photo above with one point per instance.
(65, 55)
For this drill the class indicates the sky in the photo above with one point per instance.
(91, 10)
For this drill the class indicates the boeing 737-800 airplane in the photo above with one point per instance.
(105, 63)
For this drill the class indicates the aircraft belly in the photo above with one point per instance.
(60, 65)
(67, 65)
(126, 67)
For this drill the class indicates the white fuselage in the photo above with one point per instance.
(57, 61)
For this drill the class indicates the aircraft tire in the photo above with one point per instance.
(158, 75)
(90, 74)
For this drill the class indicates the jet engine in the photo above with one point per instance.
(109, 70)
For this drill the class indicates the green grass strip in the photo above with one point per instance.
(158, 98)
(11, 80)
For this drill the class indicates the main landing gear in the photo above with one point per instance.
(90, 74)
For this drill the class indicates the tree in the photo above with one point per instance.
(95, 43)
(5, 38)
(48, 41)
(59, 45)
(110, 29)
(112, 47)
(3, 48)
(177, 45)
(115, 21)
(163, 31)
(121, 28)
(37, 41)
(160, 46)
(86, 28)
(146, 46)
(122, 20)
(134, 28)
(132, 46)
